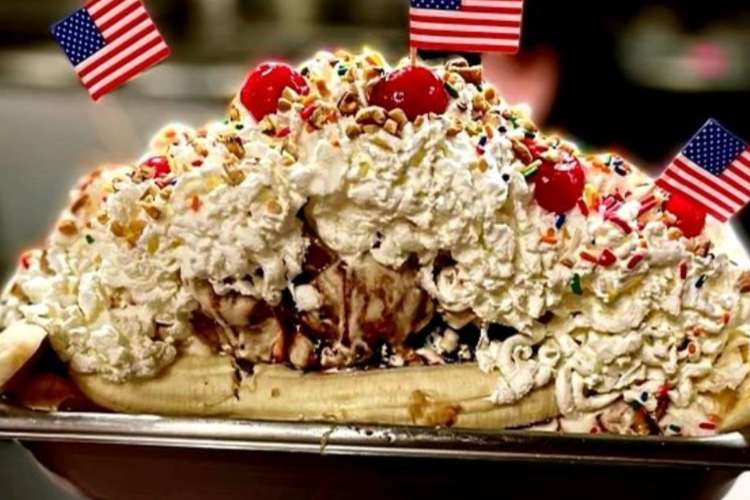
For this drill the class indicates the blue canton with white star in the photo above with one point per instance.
(436, 4)
(78, 36)
(714, 148)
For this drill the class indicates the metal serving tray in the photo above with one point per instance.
(726, 451)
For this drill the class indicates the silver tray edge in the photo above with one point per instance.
(725, 451)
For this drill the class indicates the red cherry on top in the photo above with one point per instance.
(691, 217)
(414, 89)
(559, 187)
(264, 85)
(160, 164)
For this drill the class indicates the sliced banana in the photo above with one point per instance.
(18, 343)
(451, 395)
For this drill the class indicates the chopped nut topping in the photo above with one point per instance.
(522, 152)
(200, 149)
(79, 203)
(391, 127)
(320, 116)
(274, 207)
(195, 203)
(322, 88)
(68, 228)
(353, 131)
(743, 283)
(700, 246)
(472, 74)
(134, 231)
(398, 116)
(234, 113)
(529, 125)
(117, 229)
(480, 103)
(284, 104)
(370, 115)
(166, 193)
(287, 159)
(290, 94)
(490, 94)
(268, 124)
(152, 211)
(370, 129)
(343, 55)
(234, 175)
(348, 103)
(455, 128)
(234, 145)
(140, 174)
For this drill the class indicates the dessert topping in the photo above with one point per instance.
(416, 90)
(559, 187)
(265, 85)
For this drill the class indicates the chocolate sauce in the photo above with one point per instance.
(500, 332)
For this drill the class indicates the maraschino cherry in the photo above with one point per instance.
(414, 89)
(160, 164)
(264, 85)
(558, 187)
(691, 217)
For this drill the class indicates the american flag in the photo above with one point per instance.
(466, 25)
(109, 42)
(713, 170)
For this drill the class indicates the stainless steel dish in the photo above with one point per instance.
(726, 451)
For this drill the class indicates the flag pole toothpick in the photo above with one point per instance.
(413, 56)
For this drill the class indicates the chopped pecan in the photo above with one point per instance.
(522, 152)
(234, 175)
(284, 104)
(391, 126)
(234, 145)
(398, 115)
(371, 115)
(348, 103)
(234, 113)
(353, 131)
(152, 211)
(743, 283)
(117, 229)
(79, 203)
(68, 228)
(471, 74)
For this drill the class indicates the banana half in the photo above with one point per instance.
(450, 395)
(18, 344)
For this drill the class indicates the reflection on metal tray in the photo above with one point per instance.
(730, 450)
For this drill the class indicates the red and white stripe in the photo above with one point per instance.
(722, 196)
(480, 26)
(133, 45)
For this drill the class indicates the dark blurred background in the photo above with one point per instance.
(636, 76)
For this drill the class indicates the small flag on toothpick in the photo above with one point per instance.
(110, 42)
(713, 171)
(466, 25)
